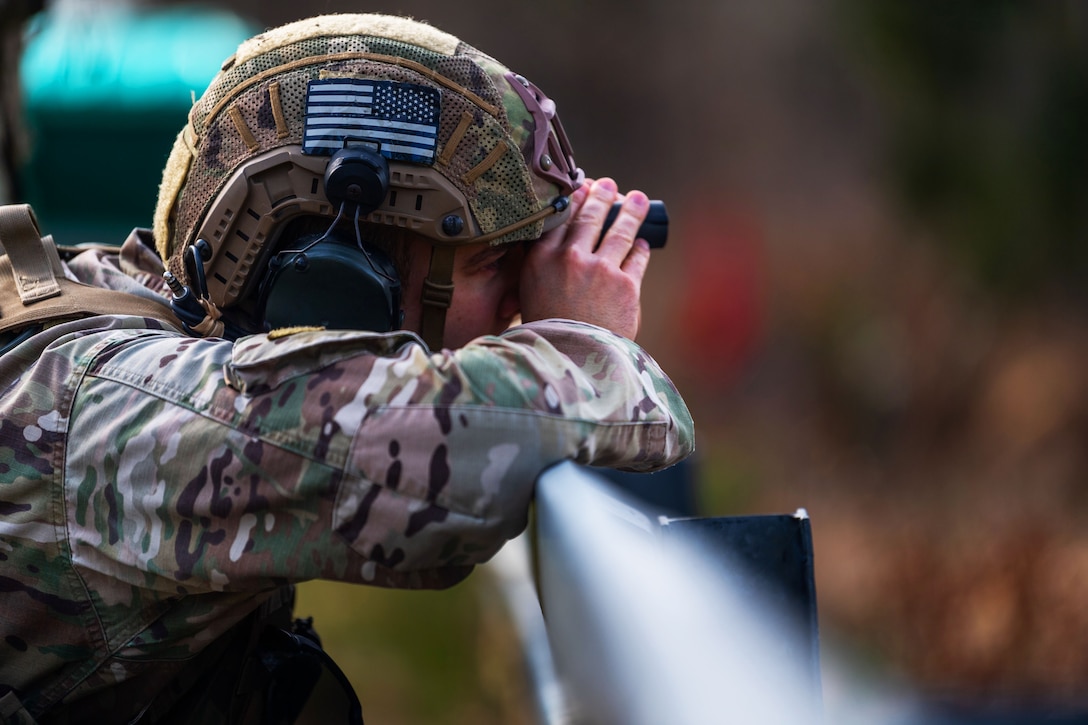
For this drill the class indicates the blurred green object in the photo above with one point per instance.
(106, 88)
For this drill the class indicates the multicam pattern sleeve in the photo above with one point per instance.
(349, 456)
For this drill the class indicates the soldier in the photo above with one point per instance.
(394, 314)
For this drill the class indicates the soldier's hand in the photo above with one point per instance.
(567, 274)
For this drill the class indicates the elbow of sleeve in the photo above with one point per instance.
(424, 537)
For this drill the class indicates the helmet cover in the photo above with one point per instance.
(466, 138)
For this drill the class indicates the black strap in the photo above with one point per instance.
(214, 683)
(263, 671)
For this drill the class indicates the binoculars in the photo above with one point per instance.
(654, 229)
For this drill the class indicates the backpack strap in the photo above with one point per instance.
(12, 711)
(34, 289)
(34, 268)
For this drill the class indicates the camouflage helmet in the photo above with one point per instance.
(475, 151)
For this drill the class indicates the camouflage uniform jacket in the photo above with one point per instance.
(154, 487)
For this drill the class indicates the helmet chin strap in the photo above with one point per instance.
(437, 296)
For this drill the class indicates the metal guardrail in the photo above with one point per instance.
(630, 617)
(636, 618)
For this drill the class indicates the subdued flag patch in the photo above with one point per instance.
(401, 118)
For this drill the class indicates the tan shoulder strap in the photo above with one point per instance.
(33, 288)
(12, 711)
(35, 277)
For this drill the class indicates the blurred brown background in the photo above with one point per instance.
(873, 299)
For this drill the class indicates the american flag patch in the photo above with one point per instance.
(401, 118)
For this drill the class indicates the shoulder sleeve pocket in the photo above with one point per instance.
(260, 363)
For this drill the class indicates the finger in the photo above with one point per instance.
(578, 198)
(556, 235)
(637, 261)
(617, 241)
(585, 226)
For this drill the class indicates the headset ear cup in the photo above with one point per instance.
(334, 282)
(334, 285)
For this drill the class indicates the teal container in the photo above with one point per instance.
(106, 89)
